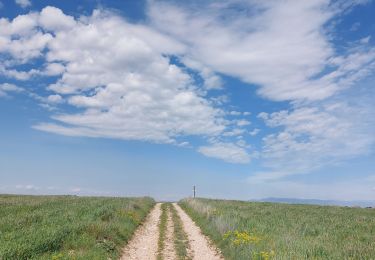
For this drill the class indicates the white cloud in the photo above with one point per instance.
(21, 39)
(53, 69)
(54, 99)
(53, 19)
(234, 132)
(318, 135)
(116, 73)
(235, 113)
(254, 132)
(6, 87)
(243, 122)
(120, 77)
(28, 187)
(226, 151)
(211, 80)
(23, 3)
(252, 40)
(135, 92)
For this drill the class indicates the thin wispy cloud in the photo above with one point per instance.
(226, 151)
(255, 43)
(6, 88)
(23, 3)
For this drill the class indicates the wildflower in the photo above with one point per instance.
(240, 238)
(264, 255)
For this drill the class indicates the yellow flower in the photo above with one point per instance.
(241, 237)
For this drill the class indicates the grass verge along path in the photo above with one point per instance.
(68, 227)
(200, 246)
(255, 230)
(144, 243)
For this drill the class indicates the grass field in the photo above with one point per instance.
(254, 230)
(68, 227)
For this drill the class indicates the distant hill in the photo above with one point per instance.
(359, 203)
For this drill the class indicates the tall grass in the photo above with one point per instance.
(68, 227)
(254, 230)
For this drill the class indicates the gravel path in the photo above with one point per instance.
(202, 248)
(144, 244)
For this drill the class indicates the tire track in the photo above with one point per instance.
(144, 244)
(202, 248)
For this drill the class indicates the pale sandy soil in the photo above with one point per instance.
(202, 248)
(144, 244)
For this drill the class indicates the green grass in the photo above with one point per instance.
(181, 241)
(162, 229)
(287, 231)
(68, 227)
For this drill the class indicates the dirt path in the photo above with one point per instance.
(202, 248)
(169, 252)
(144, 244)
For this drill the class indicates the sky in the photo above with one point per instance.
(245, 99)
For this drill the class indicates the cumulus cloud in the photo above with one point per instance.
(53, 69)
(228, 152)
(53, 19)
(125, 86)
(119, 76)
(23, 3)
(21, 39)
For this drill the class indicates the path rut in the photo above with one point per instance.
(202, 248)
(144, 244)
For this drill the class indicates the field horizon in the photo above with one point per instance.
(100, 227)
(303, 201)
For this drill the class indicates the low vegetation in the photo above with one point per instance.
(181, 241)
(162, 229)
(68, 227)
(254, 230)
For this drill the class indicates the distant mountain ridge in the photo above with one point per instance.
(360, 203)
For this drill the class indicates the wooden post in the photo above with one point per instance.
(194, 191)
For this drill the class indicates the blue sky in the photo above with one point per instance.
(244, 99)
